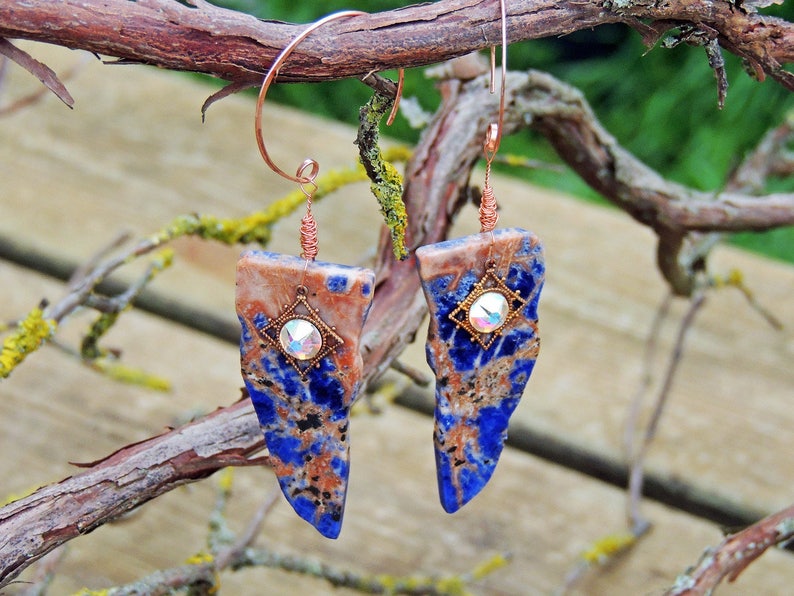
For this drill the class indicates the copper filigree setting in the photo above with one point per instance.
(301, 335)
(488, 308)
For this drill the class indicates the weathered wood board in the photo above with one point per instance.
(543, 515)
(134, 154)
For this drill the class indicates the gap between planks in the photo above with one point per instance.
(549, 447)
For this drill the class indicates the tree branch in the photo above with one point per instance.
(35, 525)
(41, 71)
(673, 211)
(239, 47)
(735, 553)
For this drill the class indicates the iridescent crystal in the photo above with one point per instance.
(488, 312)
(300, 339)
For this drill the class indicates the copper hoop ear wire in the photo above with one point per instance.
(310, 164)
(306, 174)
(493, 136)
(300, 176)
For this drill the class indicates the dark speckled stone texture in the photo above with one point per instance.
(305, 418)
(477, 389)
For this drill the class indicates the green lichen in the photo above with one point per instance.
(89, 348)
(386, 181)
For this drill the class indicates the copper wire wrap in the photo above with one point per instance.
(308, 229)
(488, 206)
(309, 241)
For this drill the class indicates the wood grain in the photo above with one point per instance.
(545, 516)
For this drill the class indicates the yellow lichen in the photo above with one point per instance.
(734, 278)
(452, 585)
(389, 193)
(209, 560)
(256, 227)
(200, 559)
(225, 480)
(487, 567)
(31, 332)
(607, 547)
(129, 375)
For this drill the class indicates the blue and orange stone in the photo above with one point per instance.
(302, 392)
(482, 344)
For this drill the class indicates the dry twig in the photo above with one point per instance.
(637, 522)
(735, 554)
(33, 526)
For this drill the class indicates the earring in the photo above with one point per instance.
(482, 343)
(299, 350)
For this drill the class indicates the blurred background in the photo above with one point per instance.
(660, 104)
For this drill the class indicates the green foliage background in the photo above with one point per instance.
(660, 104)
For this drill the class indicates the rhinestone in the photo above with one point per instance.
(488, 312)
(300, 339)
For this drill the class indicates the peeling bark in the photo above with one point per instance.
(239, 47)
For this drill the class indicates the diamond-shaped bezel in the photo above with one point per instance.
(489, 282)
(331, 340)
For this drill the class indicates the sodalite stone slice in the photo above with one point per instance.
(477, 388)
(304, 416)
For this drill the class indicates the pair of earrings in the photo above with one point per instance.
(302, 321)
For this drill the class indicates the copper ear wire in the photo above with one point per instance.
(493, 136)
(308, 229)
(271, 74)
(306, 174)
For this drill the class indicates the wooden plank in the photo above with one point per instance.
(545, 516)
(133, 155)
